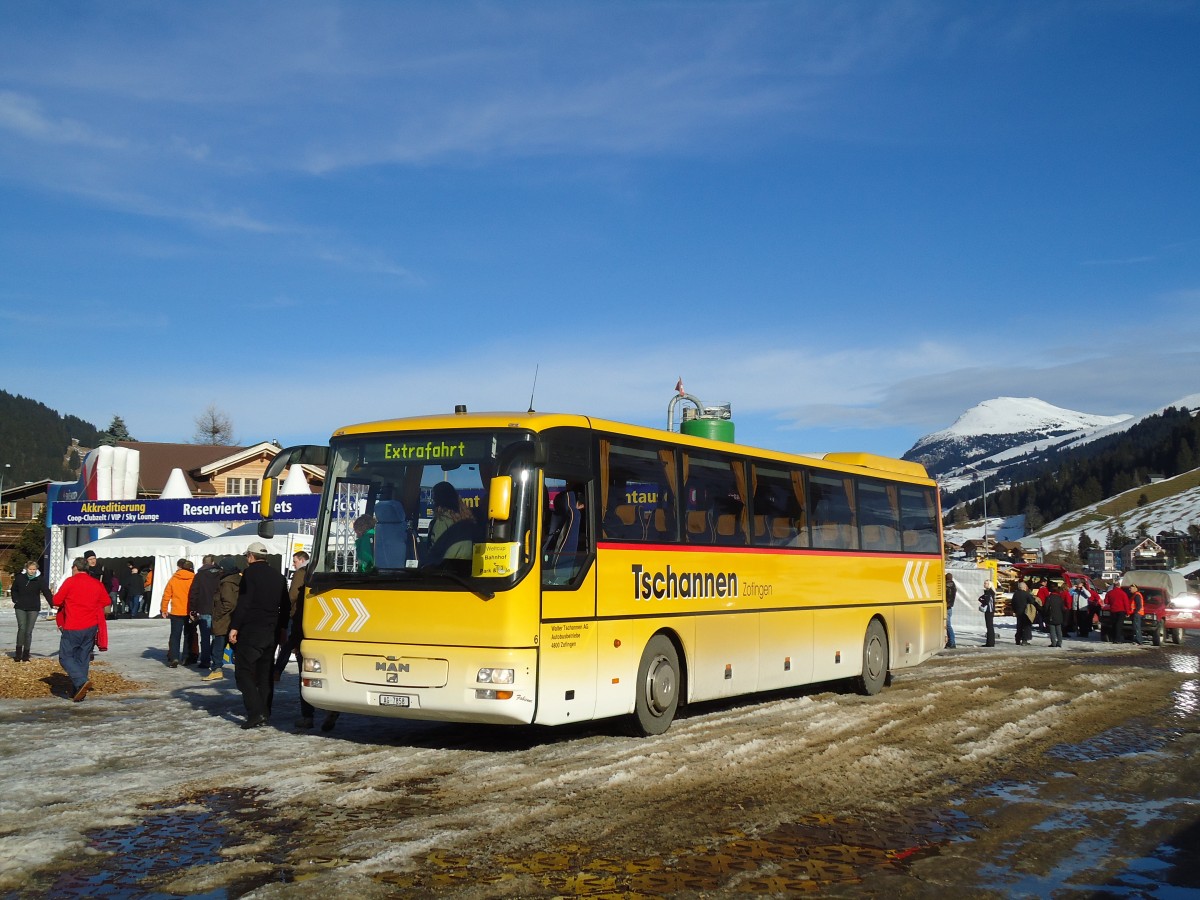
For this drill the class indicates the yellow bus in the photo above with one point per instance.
(549, 568)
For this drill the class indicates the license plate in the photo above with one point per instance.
(393, 700)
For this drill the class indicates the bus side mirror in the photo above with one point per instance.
(270, 488)
(500, 498)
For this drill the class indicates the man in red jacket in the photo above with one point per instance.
(80, 601)
(1118, 608)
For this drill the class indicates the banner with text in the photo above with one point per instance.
(114, 513)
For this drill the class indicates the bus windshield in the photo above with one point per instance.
(405, 505)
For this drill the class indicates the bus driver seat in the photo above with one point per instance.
(560, 552)
(391, 535)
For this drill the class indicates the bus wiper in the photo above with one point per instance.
(477, 591)
(326, 580)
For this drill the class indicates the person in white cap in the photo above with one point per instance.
(258, 625)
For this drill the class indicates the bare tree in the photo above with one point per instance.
(213, 426)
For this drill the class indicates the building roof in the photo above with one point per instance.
(30, 490)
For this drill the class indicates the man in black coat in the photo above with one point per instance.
(205, 587)
(1021, 601)
(258, 625)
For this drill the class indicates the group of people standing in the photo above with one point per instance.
(1058, 609)
(254, 610)
(199, 605)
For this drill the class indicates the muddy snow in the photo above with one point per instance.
(381, 806)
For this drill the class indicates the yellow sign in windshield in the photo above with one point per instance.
(495, 560)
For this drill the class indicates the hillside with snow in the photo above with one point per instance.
(1006, 428)
(1171, 505)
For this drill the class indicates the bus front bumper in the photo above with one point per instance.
(447, 684)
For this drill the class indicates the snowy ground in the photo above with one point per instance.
(378, 806)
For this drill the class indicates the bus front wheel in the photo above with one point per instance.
(657, 687)
(875, 660)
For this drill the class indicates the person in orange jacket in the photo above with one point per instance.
(175, 605)
(80, 601)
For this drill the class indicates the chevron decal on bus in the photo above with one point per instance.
(343, 613)
(915, 585)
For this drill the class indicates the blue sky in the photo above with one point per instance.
(852, 221)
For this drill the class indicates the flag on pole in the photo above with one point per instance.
(679, 386)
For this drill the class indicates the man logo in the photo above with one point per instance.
(393, 678)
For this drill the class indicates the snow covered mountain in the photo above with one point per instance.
(1006, 427)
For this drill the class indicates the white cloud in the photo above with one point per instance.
(22, 115)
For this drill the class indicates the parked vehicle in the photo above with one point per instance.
(1175, 609)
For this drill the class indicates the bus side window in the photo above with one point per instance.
(878, 515)
(714, 509)
(918, 513)
(832, 516)
(639, 484)
(778, 512)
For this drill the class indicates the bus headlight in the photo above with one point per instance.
(311, 664)
(496, 676)
(313, 682)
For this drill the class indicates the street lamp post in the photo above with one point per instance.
(982, 478)
(983, 481)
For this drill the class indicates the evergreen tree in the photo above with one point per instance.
(116, 431)
(1117, 538)
(1185, 458)
(1085, 545)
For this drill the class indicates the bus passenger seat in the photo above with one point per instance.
(847, 537)
(655, 524)
(621, 523)
(783, 532)
(727, 521)
(391, 535)
(879, 537)
(827, 535)
(697, 520)
(763, 531)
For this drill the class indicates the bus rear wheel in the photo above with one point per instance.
(657, 687)
(875, 660)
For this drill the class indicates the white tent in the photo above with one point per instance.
(295, 483)
(163, 543)
(235, 541)
(176, 487)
